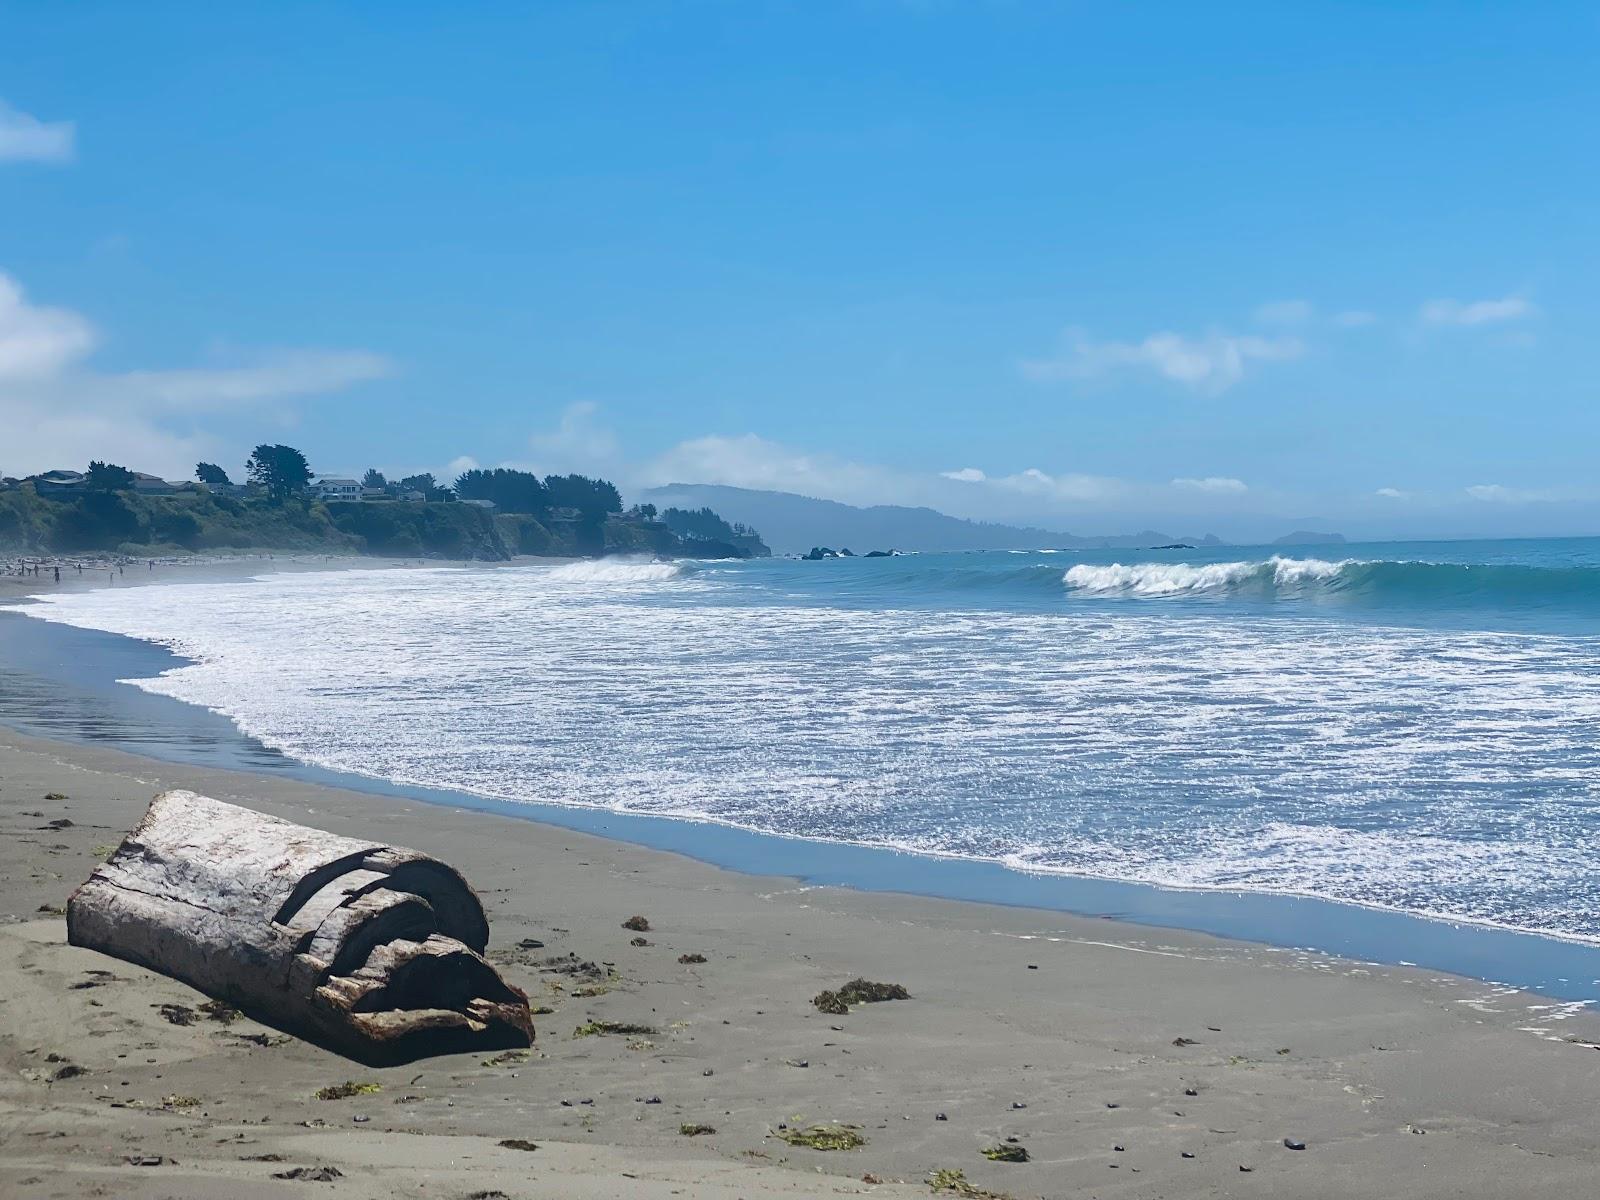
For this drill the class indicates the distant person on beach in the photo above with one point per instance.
(58, 574)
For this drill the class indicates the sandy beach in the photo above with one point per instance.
(1129, 1062)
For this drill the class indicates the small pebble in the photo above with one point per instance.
(1294, 1144)
(1018, 1104)
(1118, 1149)
(1186, 1154)
(708, 1072)
(361, 1118)
(1245, 1169)
(1109, 1104)
(940, 1117)
(1190, 1092)
(1033, 966)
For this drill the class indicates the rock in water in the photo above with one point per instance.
(371, 950)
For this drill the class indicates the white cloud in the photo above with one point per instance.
(58, 411)
(1354, 318)
(1212, 483)
(25, 138)
(1285, 312)
(965, 475)
(1389, 493)
(1071, 488)
(1478, 312)
(1212, 362)
(579, 441)
(1494, 493)
(34, 340)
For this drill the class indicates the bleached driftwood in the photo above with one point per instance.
(371, 950)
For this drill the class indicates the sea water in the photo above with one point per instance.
(1406, 726)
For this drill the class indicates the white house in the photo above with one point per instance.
(337, 489)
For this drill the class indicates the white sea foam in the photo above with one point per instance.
(614, 570)
(1435, 771)
(1171, 579)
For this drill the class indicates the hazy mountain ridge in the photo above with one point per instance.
(792, 524)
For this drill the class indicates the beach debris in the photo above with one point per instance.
(51, 910)
(310, 1174)
(695, 1130)
(858, 991)
(1246, 1170)
(371, 950)
(797, 1062)
(639, 941)
(55, 796)
(343, 1091)
(822, 1137)
(221, 1012)
(1183, 1041)
(1018, 1104)
(1417, 1129)
(953, 1180)
(507, 1058)
(1191, 1091)
(176, 1014)
(614, 1028)
(1006, 1152)
(530, 944)
(637, 923)
(143, 1160)
(518, 1144)
(690, 959)
(940, 1117)
(1293, 1144)
(1185, 1154)
(176, 1101)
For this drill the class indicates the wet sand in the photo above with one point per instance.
(1073, 1035)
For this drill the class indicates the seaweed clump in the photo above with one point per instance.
(1006, 1152)
(858, 991)
(638, 924)
(343, 1091)
(953, 1180)
(824, 1137)
(688, 1130)
(622, 1028)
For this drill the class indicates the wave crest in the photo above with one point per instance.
(1173, 579)
(615, 570)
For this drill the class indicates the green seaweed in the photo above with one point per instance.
(507, 1058)
(615, 1028)
(823, 1137)
(343, 1091)
(954, 1181)
(688, 1130)
(1006, 1152)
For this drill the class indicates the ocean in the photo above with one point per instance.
(1401, 726)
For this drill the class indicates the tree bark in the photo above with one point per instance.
(371, 950)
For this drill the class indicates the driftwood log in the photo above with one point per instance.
(367, 949)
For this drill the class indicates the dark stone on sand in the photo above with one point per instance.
(1293, 1144)
(1191, 1092)
(940, 1117)
(530, 944)
(1018, 1104)
(310, 1174)
(518, 1144)
(639, 941)
(637, 923)
(1186, 1154)
(691, 959)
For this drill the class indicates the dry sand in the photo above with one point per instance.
(1060, 1032)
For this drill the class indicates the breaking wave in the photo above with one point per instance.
(1386, 582)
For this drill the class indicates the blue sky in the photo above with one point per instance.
(1086, 265)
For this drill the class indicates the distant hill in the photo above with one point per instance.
(1306, 537)
(792, 524)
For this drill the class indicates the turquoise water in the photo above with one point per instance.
(1405, 727)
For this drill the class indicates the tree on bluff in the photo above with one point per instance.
(509, 490)
(108, 477)
(280, 471)
(212, 475)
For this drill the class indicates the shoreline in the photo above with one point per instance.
(1566, 969)
(1073, 1034)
